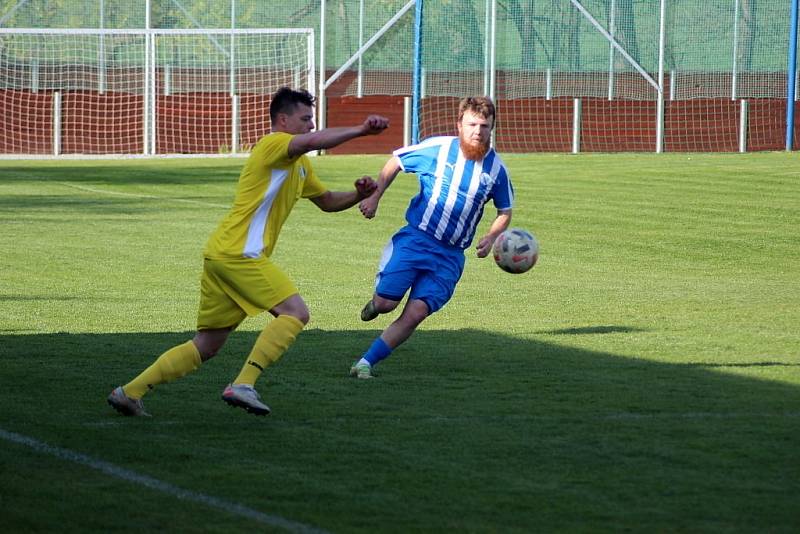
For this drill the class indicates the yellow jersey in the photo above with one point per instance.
(269, 186)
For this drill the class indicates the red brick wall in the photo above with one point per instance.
(348, 111)
(111, 123)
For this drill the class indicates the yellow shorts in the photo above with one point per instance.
(233, 289)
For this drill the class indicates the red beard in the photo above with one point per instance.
(474, 152)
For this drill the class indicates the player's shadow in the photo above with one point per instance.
(489, 420)
(476, 368)
(497, 361)
(595, 329)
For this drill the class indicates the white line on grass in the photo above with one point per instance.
(158, 485)
(138, 195)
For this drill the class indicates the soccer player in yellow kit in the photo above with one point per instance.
(239, 279)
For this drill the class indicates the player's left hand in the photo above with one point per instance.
(484, 246)
(369, 206)
(365, 186)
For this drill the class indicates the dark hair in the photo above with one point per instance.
(479, 105)
(285, 100)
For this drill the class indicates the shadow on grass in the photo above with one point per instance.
(765, 363)
(130, 172)
(32, 298)
(47, 208)
(464, 429)
(98, 175)
(603, 329)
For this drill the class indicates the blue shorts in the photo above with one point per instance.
(414, 260)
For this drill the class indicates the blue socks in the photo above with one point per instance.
(378, 351)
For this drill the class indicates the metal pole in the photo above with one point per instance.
(548, 84)
(790, 76)
(167, 78)
(360, 80)
(233, 55)
(673, 84)
(735, 48)
(235, 124)
(660, 106)
(311, 83)
(146, 89)
(146, 96)
(35, 75)
(493, 64)
(612, 31)
(493, 56)
(406, 121)
(417, 74)
(487, 38)
(56, 123)
(576, 125)
(154, 98)
(321, 108)
(743, 126)
(101, 55)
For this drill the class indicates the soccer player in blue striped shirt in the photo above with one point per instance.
(425, 258)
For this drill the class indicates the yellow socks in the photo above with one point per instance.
(173, 364)
(272, 342)
(183, 359)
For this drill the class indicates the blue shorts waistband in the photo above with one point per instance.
(431, 238)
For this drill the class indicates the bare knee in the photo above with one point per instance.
(414, 313)
(207, 350)
(383, 305)
(412, 320)
(294, 306)
(302, 315)
(209, 342)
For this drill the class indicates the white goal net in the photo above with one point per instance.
(148, 92)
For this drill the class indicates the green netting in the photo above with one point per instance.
(715, 45)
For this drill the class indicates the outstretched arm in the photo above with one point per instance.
(390, 170)
(499, 224)
(341, 200)
(331, 137)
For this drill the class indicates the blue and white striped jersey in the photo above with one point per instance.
(453, 189)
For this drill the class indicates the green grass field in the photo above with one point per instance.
(645, 376)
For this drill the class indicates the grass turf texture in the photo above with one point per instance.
(644, 376)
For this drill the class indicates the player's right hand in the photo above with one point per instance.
(375, 124)
(365, 186)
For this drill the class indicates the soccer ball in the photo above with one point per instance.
(516, 250)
